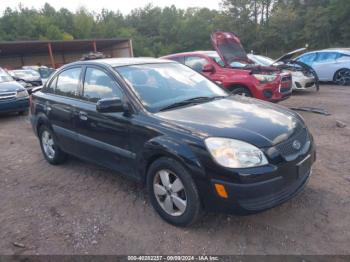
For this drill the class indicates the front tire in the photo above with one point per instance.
(243, 91)
(173, 193)
(342, 77)
(49, 146)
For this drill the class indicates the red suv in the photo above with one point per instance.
(230, 67)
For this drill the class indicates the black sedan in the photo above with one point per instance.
(161, 123)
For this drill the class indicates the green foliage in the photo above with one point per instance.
(265, 26)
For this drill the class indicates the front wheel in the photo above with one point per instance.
(342, 77)
(173, 193)
(49, 146)
(241, 91)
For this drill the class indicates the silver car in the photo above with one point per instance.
(329, 64)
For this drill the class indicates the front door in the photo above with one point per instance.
(103, 137)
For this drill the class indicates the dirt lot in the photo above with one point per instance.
(78, 208)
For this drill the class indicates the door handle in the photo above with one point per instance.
(83, 116)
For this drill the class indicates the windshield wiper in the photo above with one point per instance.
(194, 100)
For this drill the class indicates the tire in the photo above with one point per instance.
(57, 156)
(23, 113)
(243, 91)
(342, 77)
(184, 203)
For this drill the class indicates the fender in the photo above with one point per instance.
(38, 120)
(167, 146)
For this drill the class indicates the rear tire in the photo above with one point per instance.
(49, 146)
(173, 193)
(23, 113)
(342, 77)
(243, 91)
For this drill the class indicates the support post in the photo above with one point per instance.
(131, 51)
(51, 55)
(94, 46)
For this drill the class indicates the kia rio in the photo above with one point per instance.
(161, 123)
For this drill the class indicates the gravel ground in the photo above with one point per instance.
(79, 208)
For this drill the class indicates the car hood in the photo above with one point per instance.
(229, 47)
(11, 86)
(259, 123)
(289, 56)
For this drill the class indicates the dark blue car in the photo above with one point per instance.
(13, 96)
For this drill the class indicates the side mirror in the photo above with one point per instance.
(110, 105)
(34, 89)
(208, 68)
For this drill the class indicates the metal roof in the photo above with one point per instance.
(8, 48)
(115, 62)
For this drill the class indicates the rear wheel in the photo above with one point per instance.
(342, 77)
(243, 91)
(49, 146)
(173, 193)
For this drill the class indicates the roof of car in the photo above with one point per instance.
(340, 50)
(208, 52)
(114, 62)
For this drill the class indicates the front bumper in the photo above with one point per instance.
(303, 83)
(253, 194)
(14, 105)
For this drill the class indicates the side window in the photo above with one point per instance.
(179, 59)
(68, 82)
(50, 88)
(99, 85)
(326, 56)
(195, 62)
(308, 58)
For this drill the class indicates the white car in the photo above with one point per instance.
(330, 64)
(300, 78)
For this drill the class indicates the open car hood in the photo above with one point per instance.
(229, 47)
(289, 56)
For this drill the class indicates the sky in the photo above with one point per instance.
(125, 6)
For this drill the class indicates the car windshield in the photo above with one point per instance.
(261, 60)
(162, 85)
(4, 76)
(26, 73)
(46, 72)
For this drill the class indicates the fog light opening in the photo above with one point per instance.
(221, 191)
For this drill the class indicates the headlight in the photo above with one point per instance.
(265, 78)
(22, 94)
(233, 153)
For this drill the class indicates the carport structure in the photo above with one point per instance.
(15, 54)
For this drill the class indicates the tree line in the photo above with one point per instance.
(268, 27)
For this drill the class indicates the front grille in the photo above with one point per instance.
(286, 78)
(286, 148)
(284, 89)
(309, 84)
(7, 96)
(276, 198)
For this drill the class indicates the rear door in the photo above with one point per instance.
(64, 92)
(103, 137)
(326, 65)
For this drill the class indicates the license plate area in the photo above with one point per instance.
(304, 166)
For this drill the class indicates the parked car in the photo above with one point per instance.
(44, 71)
(27, 78)
(13, 96)
(302, 78)
(330, 64)
(163, 124)
(230, 67)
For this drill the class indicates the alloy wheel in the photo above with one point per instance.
(170, 192)
(48, 144)
(342, 77)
